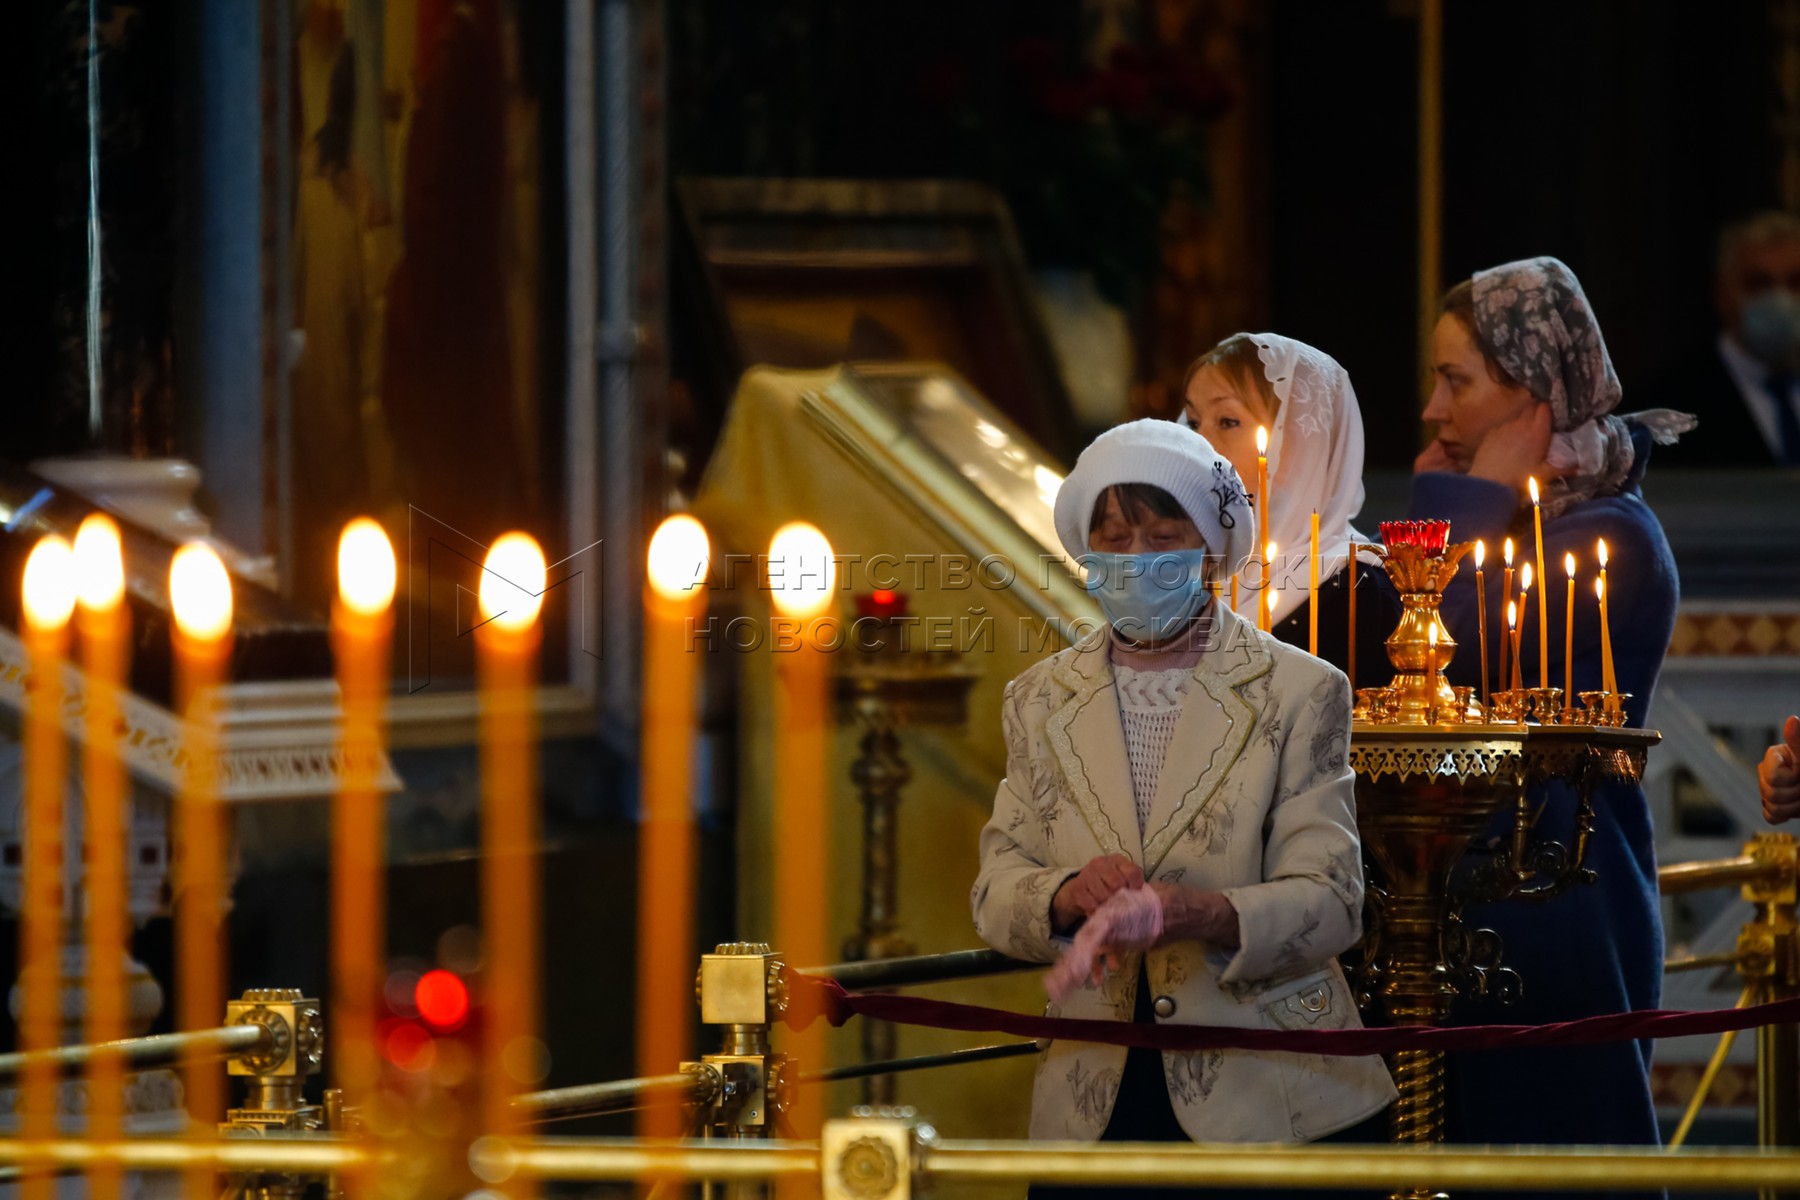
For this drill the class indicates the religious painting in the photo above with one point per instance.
(425, 324)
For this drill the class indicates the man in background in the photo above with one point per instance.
(1746, 390)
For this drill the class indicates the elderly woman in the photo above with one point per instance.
(1525, 388)
(1303, 397)
(1183, 756)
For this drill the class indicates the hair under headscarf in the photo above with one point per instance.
(1534, 320)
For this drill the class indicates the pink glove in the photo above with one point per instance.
(1131, 919)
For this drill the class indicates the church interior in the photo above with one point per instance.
(584, 787)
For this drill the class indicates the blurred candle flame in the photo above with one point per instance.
(513, 581)
(801, 570)
(49, 586)
(200, 592)
(366, 568)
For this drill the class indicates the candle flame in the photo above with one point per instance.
(1262, 441)
(1512, 614)
(200, 592)
(802, 572)
(1507, 552)
(1600, 586)
(1431, 635)
(1532, 487)
(99, 564)
(1569, 564)
(49, 586)
(513, 582)
(366, 569)
(1525, 578)
(1480, 553)
(679, 556)
(1602, 552)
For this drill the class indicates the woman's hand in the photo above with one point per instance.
(1516, 449)
(1197, 915)
(1081, 894)
(1779, 776)
(1435, 457)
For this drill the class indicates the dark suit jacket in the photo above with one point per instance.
(1727, 435)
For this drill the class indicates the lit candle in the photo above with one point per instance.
(1512, 630)
(1234, 591)
(1481, 618)
(674, 601)
(362, 625)
(1431, 674)
(200, 595)
(1569, 635)
(1267, 608)
(1350, 655)
(1312, 589)
(48, 600)
(1537, 521)
(801, 578)
(1607, 679)
(506, 646)
(1525, 579)
(103, 622)
(1262, 484)
(1507, 682)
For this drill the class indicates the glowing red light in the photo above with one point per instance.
(408, 1046)
(442, 999)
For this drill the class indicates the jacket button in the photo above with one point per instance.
(1164, 1006)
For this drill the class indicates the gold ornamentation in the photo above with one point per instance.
(869, 1169)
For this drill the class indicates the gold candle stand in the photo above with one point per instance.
(1434, 769)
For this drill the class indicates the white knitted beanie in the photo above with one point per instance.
(1174, 458)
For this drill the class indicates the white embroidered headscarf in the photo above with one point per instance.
(1315, 462)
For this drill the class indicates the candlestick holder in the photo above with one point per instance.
(1425, 789)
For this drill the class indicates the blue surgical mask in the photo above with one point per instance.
(1770, 328)
(1148, 597)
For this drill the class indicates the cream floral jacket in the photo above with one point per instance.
(1255, 800)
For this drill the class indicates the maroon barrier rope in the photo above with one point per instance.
(811, 997)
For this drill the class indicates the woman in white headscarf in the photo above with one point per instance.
(1303, 397)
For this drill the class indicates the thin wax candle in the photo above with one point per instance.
(1507, 682)
(1607, 679)
(1312, 590)
(1525, 581)
(1481, 618)
(1569, 635)
(1537, 521)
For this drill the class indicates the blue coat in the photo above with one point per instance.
(1595, 949)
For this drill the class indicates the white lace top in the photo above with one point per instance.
(1149, 706)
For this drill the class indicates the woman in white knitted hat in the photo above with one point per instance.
(1179, 785)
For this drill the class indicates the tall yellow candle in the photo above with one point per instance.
(1481, 618)
(104, 625)
(1569, 635)
(200, 595)
(802, 576)
(362, 625)
(1267, 607)
(1312, 589)
(1431, 674)
(1525, 581)
(1507, 682)
(1607, 679)
(1262, 484)
(48, 600)
(1350, 654)
(674, 599)
(1537, 520)
(1512, 630)
(506, 651)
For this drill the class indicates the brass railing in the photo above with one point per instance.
(1767, 959)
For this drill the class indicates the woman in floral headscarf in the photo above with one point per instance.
(1303, 397)
(1525, 389)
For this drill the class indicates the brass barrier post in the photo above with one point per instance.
(741, 990)
(1768, 961)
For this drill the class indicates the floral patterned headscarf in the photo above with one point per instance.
(1533, 318)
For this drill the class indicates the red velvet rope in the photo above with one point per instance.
(812, 997)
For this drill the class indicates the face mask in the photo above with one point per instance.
(1148, 597)
(1770, 328)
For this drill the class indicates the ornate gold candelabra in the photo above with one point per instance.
(1434, 769)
